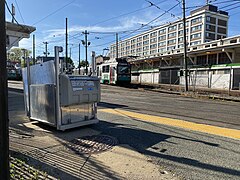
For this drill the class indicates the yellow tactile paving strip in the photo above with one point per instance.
(226, 132)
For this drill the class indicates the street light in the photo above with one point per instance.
(105, 49)
(86, 44)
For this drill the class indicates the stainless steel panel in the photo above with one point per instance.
(40, 74)
(79, 90)
(77, 113)
(43, 103)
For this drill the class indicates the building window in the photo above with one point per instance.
(162, 37)
(171, 48)
(180, 46)
(210, 27)
(180, 39)
(196, 28)
(211, 20)
(133, 41)
(145, 42)
(195, 36)
(153, 52)
(145, 37)
(139, 44)
(153, 46)
(222, 22)
(163, 43)
(172, 28)
(153, 40)
(145, 53)
(139, 39)
(210, 35)
(180, 25)
(161, 50)
(153, 34)
(172, 41)
(222, 30)
(145, 48)
(195, 43)
(139, 49)
(161, 31)
(196, 20)
(172, 34)
(220, 36)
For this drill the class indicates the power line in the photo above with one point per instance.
(153, 20)
(232, 8)
(54, 12)
(126, 14)
(152, 4)
(141, 26)
(19, 11)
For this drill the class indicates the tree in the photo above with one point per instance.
(83, 63)
(17, 55)
(70, 61)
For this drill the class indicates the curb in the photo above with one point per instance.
(194, 95)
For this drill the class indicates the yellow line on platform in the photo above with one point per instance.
(226, 132)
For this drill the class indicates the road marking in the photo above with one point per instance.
(226, 132)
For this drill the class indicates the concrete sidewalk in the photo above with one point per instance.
(50, 152)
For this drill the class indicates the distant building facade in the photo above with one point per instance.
(203, 25)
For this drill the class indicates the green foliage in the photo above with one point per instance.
(70, 61)
(83, 63)
(17, 54)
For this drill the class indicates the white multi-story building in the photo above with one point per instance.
(203, 25)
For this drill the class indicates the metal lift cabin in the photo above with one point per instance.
(60, 100)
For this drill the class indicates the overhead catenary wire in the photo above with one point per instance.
(232, 8)
(19, 11)
(54, 12)
(121, 15)
(153, 20)
(141, 26)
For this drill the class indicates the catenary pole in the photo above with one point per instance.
(34, 49)
(4, 134)
(46, 49)
(86, 46)
(79, 58)
(185, 46)
(116, 45)
(66, 50)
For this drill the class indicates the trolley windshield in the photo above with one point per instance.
(123, 69)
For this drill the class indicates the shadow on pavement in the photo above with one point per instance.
(142, 140)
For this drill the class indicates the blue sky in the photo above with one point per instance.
(102, 18)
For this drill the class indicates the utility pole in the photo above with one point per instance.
(4, 124)
(46, 51)
(116, 45)
(79, 58)
(86, 45)
(13, 13)
(66, 50)
(185, 46)
(34, 61)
